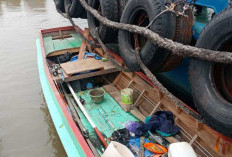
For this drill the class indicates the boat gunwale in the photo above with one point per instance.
(76, 131)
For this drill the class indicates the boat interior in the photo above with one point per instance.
(94, 71)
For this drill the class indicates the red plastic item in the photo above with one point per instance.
(155, 148)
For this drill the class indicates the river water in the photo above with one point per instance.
(26, 128)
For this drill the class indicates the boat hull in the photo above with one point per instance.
(70, 136)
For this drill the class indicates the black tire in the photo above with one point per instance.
(183, 35)
(165, 26)
(108, 9)
(122, 5)
(74, 9)
(67, 4)
(60, 5)
(205, 76)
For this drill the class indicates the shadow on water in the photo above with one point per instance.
(54, 138)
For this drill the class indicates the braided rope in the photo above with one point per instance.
(174, 47)
(154, 37)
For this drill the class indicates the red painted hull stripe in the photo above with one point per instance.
(62, 104)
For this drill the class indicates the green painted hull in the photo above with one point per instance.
(67, 137)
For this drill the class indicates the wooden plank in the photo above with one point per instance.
(87, 75)
(130, 83)
(140, 96)
(138, 114)
(83, 45)
(61, 52)
(61, 37)
(199, 135)
(48, 44)
(156, 108)
(117, 79)
(115, 93)
(171, 139)
(99, 51)
(81, 66)
(59, 45)
(89, 48)
(141, 150)
(77, 37)
(76, 118)
(193, 139)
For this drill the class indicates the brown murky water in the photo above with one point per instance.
(26, 128)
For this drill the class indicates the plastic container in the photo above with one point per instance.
(116, 149)
(181, 149)
(127, 96)
(155, 148)
(97, 95)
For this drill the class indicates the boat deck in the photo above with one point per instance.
(108, 108)
(147, 100)
(84, 69)
(59, 45)
(99, 113)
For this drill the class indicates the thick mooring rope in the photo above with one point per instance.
(164, 90)
(174, 47)
(113, 61)
(143, 67)
(90, 42)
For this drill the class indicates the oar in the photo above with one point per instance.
(100, 136)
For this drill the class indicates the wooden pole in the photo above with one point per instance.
(83, 45)
(100, 136)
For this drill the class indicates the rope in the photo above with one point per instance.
(113, 61)
(65, 15)
(164, 90)
(151, 35)
(143, 67)
(175, 47)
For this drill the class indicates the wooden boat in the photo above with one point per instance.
(76, 134)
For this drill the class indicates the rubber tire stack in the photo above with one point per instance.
(167, 25)
(214, 108)
(183, 35)
(74, 9)
(122, 5)
(110, 10)
(60, 5)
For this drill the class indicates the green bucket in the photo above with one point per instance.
(127, 96)
(97, 95)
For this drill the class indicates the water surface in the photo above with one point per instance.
(26, 128)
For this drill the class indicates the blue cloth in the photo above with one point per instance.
(74, 58)
(162, 121)
(87, 54)
(135, 143)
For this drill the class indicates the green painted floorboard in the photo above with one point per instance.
(48, 45)
(111, 109)
(61, 44)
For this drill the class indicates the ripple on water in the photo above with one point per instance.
(25, 124)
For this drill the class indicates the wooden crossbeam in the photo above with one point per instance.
(140, 96)
(156, 108)
(83, 45)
